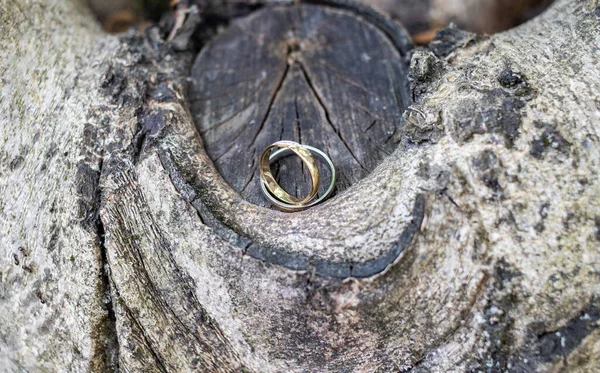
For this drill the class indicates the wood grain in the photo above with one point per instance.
(310, 74)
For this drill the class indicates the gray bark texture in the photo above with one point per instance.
(464, 235)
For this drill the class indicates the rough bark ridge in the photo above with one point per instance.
(472, 246)
(54, 298)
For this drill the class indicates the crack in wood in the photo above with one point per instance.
(144, 336)
(327, 116)
(105, 342)
(370, 126)
(199, 327)
(299, 132)
(295, 90)
(237, 135)
(271, 101)
(111, 349)
(340, 76)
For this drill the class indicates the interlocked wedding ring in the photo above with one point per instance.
(267, 177)
(287, 207)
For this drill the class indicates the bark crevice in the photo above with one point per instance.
(109, 348)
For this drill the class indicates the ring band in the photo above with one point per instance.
(267, 178)
(291, 207)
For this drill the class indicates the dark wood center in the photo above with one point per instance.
(311, 74)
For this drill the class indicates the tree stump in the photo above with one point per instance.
(463, 236)
(309, 74)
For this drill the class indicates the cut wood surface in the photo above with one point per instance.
(309, 74)
(133, 237)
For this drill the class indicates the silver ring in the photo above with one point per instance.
(293, 208)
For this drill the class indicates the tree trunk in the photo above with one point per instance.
(463, 236)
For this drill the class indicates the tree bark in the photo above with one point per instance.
(463, 236)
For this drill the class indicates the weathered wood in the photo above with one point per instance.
(473, 246)
(310, 74)
(55, 312)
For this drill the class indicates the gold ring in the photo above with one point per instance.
(294, 208)
(267, 177)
